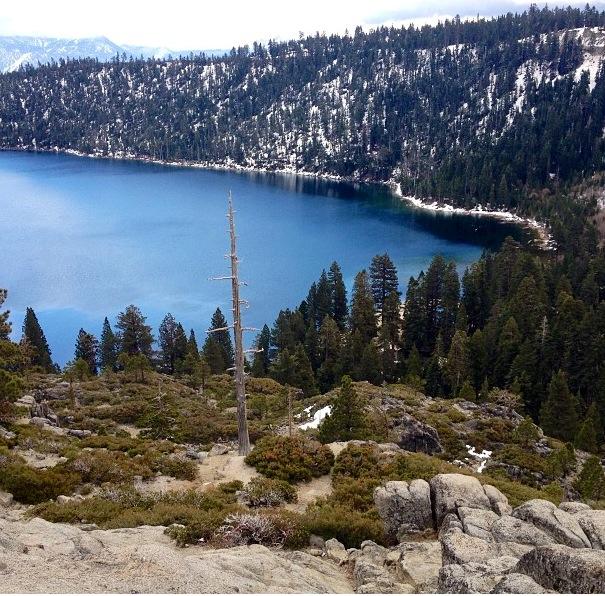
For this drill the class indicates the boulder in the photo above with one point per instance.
(62, 499)
(6, 499)
(404, 508)
(197, 455)
(40, 422)
(218, 449)
(26, 400)
(574, 507)
(80, 434)
(459, 548)
(475, 577)
(517, 583)
(565, 569)
(497, 500)
(419, 564)
(450, 491)
(593, 524)
(477, 522)
(451, 522)
(7, 435)
(413, 435)
(335, 551)
(560, 525)
(511, 529)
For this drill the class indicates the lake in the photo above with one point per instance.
(82, 238)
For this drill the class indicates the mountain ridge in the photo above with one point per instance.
(18, 50)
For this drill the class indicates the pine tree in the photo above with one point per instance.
(591, 480)
(330, 345)
(457, 366)
(261, 363)
(413, 316)
(586, 438)
(370, 366)
(303, 372)
(35, 337)
(340, 310)
(214, 356)
(87, 349)
(218, 349)
(384, 280)
(346, 420)
(389, 336)
(558, 416)
(135, 334)
(434, 377)
(5, 327)
(108, 348)
(170, 339)
(363, 319)
(283, 368)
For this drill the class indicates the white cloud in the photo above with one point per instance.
(199, 24)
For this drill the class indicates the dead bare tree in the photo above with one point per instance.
(238, 329)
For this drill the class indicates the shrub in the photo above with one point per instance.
(269, 492)
(290, 458)
(527, 433)
(200, 513)
(356, 461)
(591, 480)
(561, 461)
(31, 486)
(240, 529)
(98, 467)
(178, 467)
(348, 526)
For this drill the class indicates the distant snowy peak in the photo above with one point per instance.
(17, 51)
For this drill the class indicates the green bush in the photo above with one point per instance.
(269, 492)
(348, 526)
(200, 513)
(292, 459)
(591, 480)
(357, 461)
(116, 467)
(31, 486)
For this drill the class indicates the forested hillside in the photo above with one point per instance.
(475, 112)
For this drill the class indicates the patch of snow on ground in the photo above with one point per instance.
(482, 457)
(317, 418)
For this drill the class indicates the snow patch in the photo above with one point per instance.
(317, 417)
(482, 457)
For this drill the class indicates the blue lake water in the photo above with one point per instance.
(82, 238)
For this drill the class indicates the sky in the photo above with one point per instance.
(199, 24)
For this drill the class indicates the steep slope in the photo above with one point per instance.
(477, 112)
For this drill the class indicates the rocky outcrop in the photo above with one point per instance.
(511, 529)
(593, 524)
(565, 569)
(38, 556)
(517, 583)
(487, 546)
(404, 508)
(413, 435)
(450, 491)
(474, 577)
(561, 526)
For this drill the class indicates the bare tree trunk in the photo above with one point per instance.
(240, 386)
